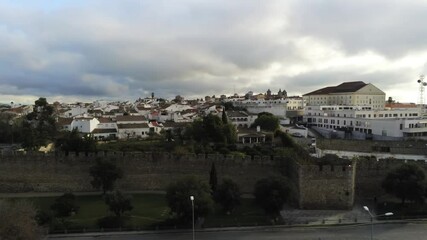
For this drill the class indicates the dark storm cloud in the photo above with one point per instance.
(128, 49)
(385, 80)
(389, 27)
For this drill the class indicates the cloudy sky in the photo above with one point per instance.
(82, 50)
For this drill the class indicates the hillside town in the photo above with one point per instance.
(350, 110)
(327, 151)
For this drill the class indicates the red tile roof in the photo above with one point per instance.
(130, 118)
(346, 87)
(64, 121)
(401, 105)
(129, 126)
(105, 120)
(104, 130)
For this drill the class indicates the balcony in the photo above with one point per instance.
(415, 130)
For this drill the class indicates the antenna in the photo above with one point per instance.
(422, 85)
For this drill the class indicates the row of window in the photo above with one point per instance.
(333, 121)
(381, 115)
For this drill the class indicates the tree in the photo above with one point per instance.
(228, 195)
(213, 179)
(286, 140)
(64, 206)
(271, 193)
(178, 197)
(39, 126)
(224, 117)
(212, 129)
(267, 121)
(105, 173)
(406, 182)
(118, 203)
(230, 133)
(17, 221)
(74, 142)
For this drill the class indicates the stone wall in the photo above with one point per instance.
(142, 171)
(326, 186)
(369, 146)
(371, 172)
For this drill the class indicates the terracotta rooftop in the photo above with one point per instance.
(129, 126)
(346, 87)
(130, 118)
(401, 105)
(64, 121)
(105, 120)
(104, 130)
(231, 114)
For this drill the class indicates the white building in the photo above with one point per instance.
(295, 103)
(136, 130)
(84, 124)
(131, 119)
(107, 128)
(276, 107)
(363, 117)
(347, 94)
(75, 111)
(241, 118)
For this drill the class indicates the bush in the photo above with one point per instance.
(178, 197)
(407, 182)
(228, 195)
(110, 222)
(118, 203)
(17, 221)
(271, 194)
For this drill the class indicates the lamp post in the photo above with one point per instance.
(372, 219)
(11, 127)
(192, 210)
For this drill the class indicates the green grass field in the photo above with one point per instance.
(247, 214)
(150, 210)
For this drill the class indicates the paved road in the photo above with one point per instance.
(390, 231)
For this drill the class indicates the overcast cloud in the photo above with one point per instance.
(96, 49)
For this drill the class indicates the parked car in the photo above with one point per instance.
(297, 134)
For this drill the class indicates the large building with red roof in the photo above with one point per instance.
(349, 94)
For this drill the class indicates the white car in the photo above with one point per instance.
(297, 134)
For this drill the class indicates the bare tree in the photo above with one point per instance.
(17, 221)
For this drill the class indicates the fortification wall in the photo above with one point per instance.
(316, 189)
(326, 186)
(369, 146)
(142, 171)
(371, 172)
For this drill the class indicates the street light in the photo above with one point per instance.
(192, 210)
(372, 218)
(11, 127)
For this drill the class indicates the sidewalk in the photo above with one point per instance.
(57, 194)
(316, 217)
(253, 228)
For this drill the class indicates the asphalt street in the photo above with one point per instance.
(389, 231)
